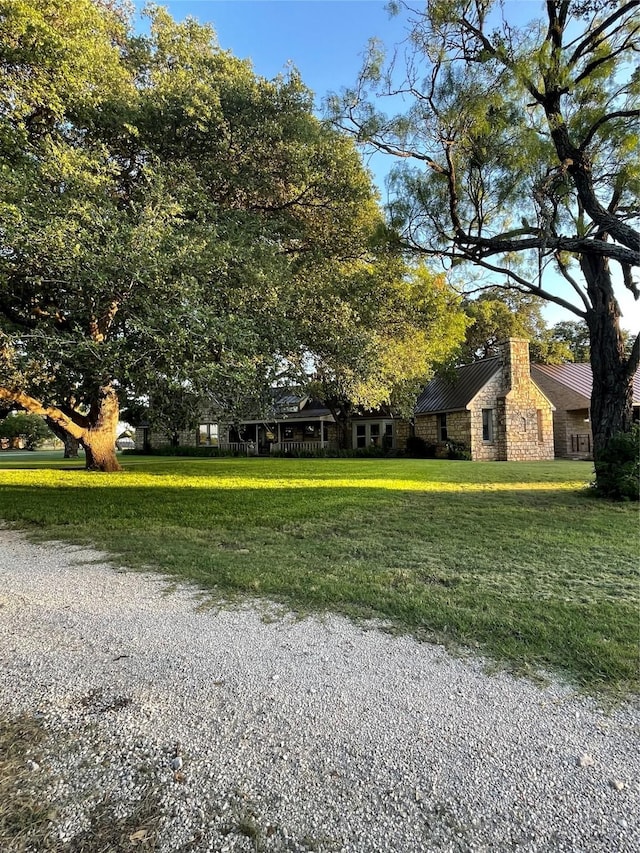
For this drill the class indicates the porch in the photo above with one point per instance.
(295, 447)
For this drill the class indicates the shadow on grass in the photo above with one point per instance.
(539, 578)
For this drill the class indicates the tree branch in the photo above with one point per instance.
(488, 246)
(593, 35)
(596, 63)
(602, 120)
(35, 407)
(574, 284)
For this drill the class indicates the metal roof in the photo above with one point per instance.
(450, 395)
(578, 378)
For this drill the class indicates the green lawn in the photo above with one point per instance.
(516, 560)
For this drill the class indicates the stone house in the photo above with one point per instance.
(568, 386)
(491, 407)
(296, 424)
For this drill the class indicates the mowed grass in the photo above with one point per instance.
(516, 561)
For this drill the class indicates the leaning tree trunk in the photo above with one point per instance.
(612, 393)
(71, 443)
(71, 447)
(341, 418)
(99, 439)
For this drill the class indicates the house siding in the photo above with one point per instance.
(458, 428)
(570, 418)
(521, 419)
(487, 398)
(525, 414)
(402, 432)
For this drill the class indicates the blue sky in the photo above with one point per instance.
(325, 40)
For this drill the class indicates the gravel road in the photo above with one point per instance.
(248, 733)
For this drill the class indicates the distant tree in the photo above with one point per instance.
(523, 141)
(384, 344)
(575, 336)
(499, 313)
(30, 428)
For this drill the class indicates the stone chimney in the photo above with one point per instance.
(516, 372)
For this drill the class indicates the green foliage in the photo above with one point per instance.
(618, 467)
(31, 428)
(499, 313)
(458, 450)
(199, 452)
(389, 331)
(517, 161)
(373, 451)
(176, 227)
(575, 335)
(418, 448)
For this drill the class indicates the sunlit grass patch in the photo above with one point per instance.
(515, 559)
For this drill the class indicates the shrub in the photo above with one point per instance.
(618, 467)
(29, 428)
(333, 453)
(419, 448)
(458, 450)
(200, 452)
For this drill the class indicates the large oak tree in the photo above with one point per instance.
(519, 159)
(167, 217)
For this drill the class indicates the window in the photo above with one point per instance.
(442, 427)
(208, 435)
(288, 433)
(376, 434)
(540, 425)
(487, 424)
(309, 430)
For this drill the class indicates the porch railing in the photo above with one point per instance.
(301, 446)
(246, 447)
(581, 443)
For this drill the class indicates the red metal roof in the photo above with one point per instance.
(578, 378)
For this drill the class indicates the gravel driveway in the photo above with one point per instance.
(276, 734)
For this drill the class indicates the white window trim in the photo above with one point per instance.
(382, 424)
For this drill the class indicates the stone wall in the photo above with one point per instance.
(158, 440)
(569, 418)
(458, 428)
(578, 439)
(402, 430)
(525, 416)
(488, 451)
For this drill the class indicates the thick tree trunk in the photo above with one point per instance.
(96, 431)
(341, 418)
(99, 440)
(71, 443)
(71, 447)
(612, 394)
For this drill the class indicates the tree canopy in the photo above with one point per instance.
(499, 313)
(168, 218)
(518, 158)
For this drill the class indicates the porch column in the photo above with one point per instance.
(322, 433)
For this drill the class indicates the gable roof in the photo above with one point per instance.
(444, 395)
(578, 378)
